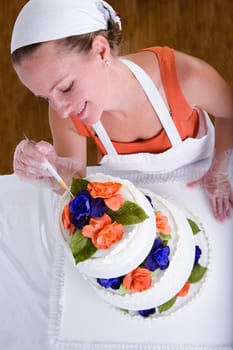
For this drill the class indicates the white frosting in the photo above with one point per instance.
(136, 243)
(169, 282)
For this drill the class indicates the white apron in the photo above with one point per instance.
(181, 153)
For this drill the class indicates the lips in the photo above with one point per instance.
(86, 116)
(82, 109)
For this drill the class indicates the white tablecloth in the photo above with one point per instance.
(39, 289)
(26, 257)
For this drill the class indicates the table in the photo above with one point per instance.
(36, 275)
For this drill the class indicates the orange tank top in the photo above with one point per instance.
(184, 117)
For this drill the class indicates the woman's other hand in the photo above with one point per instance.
(217, 184)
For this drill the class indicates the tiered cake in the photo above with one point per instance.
(136, 249)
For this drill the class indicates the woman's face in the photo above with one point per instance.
(73, 83)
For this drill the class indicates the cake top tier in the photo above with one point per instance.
(108, 228)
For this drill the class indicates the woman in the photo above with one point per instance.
(145, 110)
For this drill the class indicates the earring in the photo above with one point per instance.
(107, 63)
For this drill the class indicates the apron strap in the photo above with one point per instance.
(156, 100)
(104, 138)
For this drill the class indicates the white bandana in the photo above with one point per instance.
(45, 20)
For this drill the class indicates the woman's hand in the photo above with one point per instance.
(28, 164)
(217, 185)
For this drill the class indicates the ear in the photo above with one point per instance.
(100, 46)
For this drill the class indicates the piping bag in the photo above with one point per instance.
(47, 165)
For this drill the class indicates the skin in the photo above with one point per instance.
(85, 86)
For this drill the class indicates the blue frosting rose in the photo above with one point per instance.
(197, 254)
(83, 206)
(158, 258)
(147, 313)
(113, 283)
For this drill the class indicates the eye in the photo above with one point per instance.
(64, 91)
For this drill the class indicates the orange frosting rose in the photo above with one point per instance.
(95, 225)
(110, 234)
(138, 280)
(66, 219)
(107, 191)
(184, 291)
(162, 224)
(103, 232)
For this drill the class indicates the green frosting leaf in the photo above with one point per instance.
(81, 247)
(195, 228)
(124, 310)
(166, 306)
(77, 185)
(122, 290)
(197, 273)
(129, 214)
(164, 237)
(153, 273)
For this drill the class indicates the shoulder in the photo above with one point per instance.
(202, 85)
(148, 61)
(190, 67)
(193, 70)
(187, 66)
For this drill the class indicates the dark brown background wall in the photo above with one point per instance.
(202, 28)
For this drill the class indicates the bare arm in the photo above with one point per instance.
(67, 142)
(203, 87)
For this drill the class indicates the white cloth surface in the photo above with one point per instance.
(26, 256)
(33, 264)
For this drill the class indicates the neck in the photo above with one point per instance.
(124, 89)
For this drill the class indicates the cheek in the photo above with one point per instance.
(100, 87)
(93, 88)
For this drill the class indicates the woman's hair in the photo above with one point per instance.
(81, 43)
